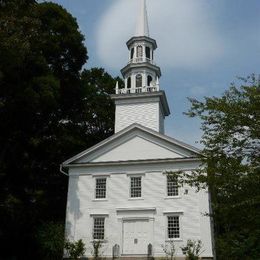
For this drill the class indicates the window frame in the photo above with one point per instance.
(167, 188)
(95, 190)
(93, 227)
(173, 214)
(130, 187)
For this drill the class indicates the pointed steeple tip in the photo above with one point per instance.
(142, 28)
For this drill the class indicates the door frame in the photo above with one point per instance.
(126, 219)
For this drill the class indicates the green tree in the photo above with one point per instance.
(231, 155)
(45, 102)
(51, 240)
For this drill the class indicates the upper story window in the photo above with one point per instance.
(99, 228)
(172, 186)
(173, 226)
(132, 53)
(129, 82)
(136, 187)
(139, 51)
(139, 81)
(147, 52)
(101, 184)
(149, 80)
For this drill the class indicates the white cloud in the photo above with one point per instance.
(185, 31)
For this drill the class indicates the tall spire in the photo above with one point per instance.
(142, 28)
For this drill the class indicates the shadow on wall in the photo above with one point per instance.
(73, 213)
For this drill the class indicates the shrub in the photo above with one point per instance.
(169, 250)
(75, 249)
(192, 250)
(96, 252)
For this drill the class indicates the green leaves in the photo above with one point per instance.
(231, 139)
(192, 250)
(51, 239)
(75, 249)
(50, 110)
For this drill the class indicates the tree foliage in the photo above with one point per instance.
(49, 111)
(51, 239)
(231, 156)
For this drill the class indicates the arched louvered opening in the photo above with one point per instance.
(138, 81)
(147, 52)
(132, 53)
(149, 80)
(129, 82)
(139, 51)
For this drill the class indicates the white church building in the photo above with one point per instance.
(119, 191)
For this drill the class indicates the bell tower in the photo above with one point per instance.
(141, 100)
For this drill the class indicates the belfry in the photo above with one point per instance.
(141, 100)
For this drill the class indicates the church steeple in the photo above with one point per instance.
(142, 28)
(141, 101)
(141, 73)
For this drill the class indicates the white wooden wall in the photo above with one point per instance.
(146, 114)
(82, 205)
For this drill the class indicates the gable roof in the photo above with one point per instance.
(139, 139)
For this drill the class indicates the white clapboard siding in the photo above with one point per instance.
(146, 114)
(81, 205)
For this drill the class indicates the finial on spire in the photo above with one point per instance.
(142, 28)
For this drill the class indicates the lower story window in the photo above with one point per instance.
(99, 228)
(173, 227)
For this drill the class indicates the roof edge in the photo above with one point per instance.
(124, 131)
(134, 162)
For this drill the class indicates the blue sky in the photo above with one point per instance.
(203, 45)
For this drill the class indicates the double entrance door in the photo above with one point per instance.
(137, 235)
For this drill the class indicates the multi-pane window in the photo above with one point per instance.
(101, 188)
(136, 187)
(173, 227)
(99, 228)
(172, 186)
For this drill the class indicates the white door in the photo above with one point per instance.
(136, 237)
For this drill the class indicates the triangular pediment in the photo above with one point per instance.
(136, 148)
(135, 143)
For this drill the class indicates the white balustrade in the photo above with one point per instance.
(141, 59)
(146, 89)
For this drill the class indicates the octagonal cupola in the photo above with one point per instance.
(141, 101)
(141, 73)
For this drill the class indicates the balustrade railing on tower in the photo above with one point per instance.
(141, 59)
(137, 90)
